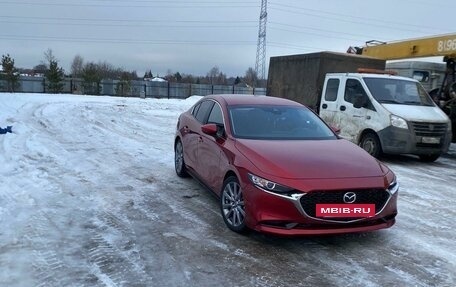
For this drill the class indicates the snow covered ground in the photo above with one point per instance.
(88, 197)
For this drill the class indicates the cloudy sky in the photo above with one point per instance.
(192, 36)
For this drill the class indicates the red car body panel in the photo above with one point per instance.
(308, 158)
(306, 166)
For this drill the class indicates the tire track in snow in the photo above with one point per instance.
(47, 263)
(205, 207)
(115, 258)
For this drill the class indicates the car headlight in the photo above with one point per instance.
(398, 122)
(393, 187)
(268, 185)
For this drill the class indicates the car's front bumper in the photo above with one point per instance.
(409, 141)
(284, 215)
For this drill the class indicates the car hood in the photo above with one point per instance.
(310, 159)
(418, 113)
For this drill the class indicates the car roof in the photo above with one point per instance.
(241, 99)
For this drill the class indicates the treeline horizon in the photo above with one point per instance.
(92, 71)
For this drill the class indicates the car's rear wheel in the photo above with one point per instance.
(232, 205)
(179, 163)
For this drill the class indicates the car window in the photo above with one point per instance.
(352, 88)
(215, 117)
(201, 114)
(277, 123)
(195, 109)
(331, 90)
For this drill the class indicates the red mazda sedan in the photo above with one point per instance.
(278, 168)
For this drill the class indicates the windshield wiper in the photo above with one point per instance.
(418, 103)
(389, 102)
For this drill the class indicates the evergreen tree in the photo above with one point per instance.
(178, 77)
(237, 81)
(148, 75)
(10, 73)
(54, 77)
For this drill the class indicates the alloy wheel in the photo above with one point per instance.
(233, 208)
(179, 163)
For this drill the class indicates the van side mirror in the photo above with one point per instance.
(359, 101)
(336, 130)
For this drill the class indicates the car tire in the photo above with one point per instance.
(370, 143)
(232, 205)
(429, 157)
(179, 163)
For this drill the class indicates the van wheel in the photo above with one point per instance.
(429, 157)
(370, 143)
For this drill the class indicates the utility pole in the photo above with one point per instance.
(261, 46)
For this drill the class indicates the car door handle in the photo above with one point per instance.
(343, 108)
(324, 106)
(367, 117)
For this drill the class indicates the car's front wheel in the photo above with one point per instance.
(232, 205)
(179, 163)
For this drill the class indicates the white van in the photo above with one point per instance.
(385, 114)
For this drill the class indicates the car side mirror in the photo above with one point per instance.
(209, 129)
(359, 101)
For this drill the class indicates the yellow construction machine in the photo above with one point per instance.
(440, 45)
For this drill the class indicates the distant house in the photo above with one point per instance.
(158, 79)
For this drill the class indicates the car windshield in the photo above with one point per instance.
(397, 91)
(277, 123)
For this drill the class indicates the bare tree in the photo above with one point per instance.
(48, 58)
(91, 79)
(216, 77)
(77, 66)
(212, 74)
(250, 77)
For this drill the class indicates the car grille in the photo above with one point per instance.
(429, 129)
(379, 197)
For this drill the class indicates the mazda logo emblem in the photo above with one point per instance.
(349, 197)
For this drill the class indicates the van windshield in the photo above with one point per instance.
(396, 91)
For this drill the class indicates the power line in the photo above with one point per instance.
(366, 22)
(228, 4)
(130, 25)
(314, 34)
(125, 41)
(320, 30)
(125, 20)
